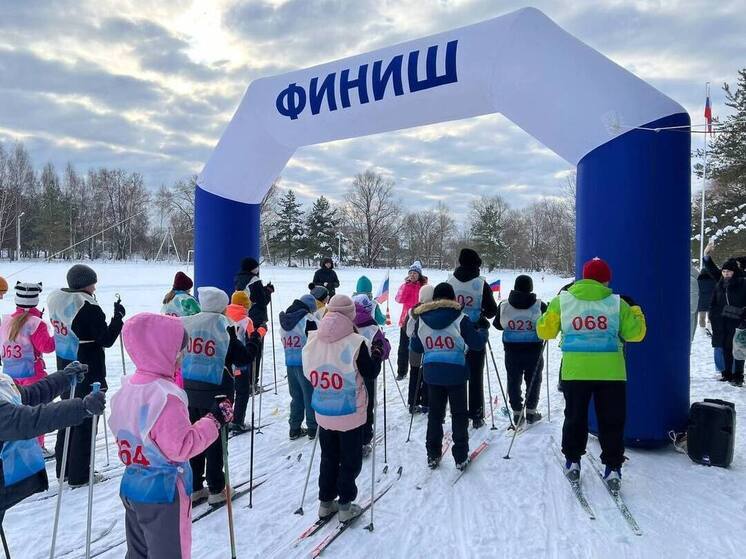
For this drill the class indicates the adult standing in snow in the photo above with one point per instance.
(594, 323)
(727, 312)
(442, 334)
(517, 317)
(179, 301)
(326, 277)
(260, 295)
(212, 352)
(475, 296)
(296, 322)
(81, 334)
(335, 361)
(156, 438)
(417, 395)
(408, 296)
(365, 287)
(27, 412)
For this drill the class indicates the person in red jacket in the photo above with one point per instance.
(25, 338)
(408, 295)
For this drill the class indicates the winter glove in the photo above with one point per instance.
(95, 403)
(222, 411)
(483, 323)
(119, 310)
(376, 351)
(75, 370)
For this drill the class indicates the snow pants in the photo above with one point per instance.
(341, 462)
(475, 362)
(733, 368)
(610, 400)
(209, 463)
(417, 388)
(368, 427)
(402, 354)
(159, 531)
(258, 364)
(522, 365)
(242, 384)
(300, 399)
(455, 395)
(79, 451)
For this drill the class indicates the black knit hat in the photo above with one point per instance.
(731, 264)
(248, 264)
(444, 291)
(80, 276)
(469, 258)
(524, 284)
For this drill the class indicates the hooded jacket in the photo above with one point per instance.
(246, 280)
(520, 300)
(363, 319)
(327, 277)
(409, 295)
(292, 316)
(42, 341)
(365, 287)
(731, 292)
(438, 315)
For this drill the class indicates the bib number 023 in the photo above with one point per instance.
(326, 380)
(521, 325)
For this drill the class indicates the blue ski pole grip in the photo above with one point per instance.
(96, 387)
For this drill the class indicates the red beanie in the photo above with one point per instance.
(182, 282)
(598, 270)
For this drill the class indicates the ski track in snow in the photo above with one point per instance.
(522, 507)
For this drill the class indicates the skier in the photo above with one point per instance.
(81, 333)
(475, 296)
(27, 412)
(417, 387)
(443, 333)
(369, 329)
(237, 312)
(247, 279)
(156, 439)
(517, 317)
(326, 277)
(179, 301)
(408, 296)
(24, 338)
(365, 287)
(295, 324)
(594, 324)
(727, 312)
(212, 352)
(336, 360)
(321, 295)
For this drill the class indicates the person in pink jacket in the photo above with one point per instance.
(25, 338)
(150, 421)
(336, 360)
(408, 296)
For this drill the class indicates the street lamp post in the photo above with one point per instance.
(18, 235)
(339, 248)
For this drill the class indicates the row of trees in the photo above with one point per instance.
(369, 229)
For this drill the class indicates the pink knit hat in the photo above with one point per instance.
(343, 305)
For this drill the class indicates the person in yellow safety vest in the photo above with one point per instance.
(594, 323)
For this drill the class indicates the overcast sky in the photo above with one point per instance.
(149, 85)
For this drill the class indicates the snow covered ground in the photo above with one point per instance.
(501, 508)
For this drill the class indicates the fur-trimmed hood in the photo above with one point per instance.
(439, 314)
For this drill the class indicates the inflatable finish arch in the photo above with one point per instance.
(633, 183)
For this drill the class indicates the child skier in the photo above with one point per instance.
(212, 351)
(417, 387)
(295, 324)
(443, 333)
(368, 328)
(237, 312)
(408, 296)
(321, 296)
(594, 323)
(517, 317)
(24, 338)
(156, 439)
(336, 360)
(179, 301)
(365, 287)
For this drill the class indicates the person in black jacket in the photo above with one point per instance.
(27, 412)
(727, 312)
(517, 317)
(81, 334)
(247, 279)
(325, 276)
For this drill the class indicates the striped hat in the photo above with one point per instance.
(27, 294)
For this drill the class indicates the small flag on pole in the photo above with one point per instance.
(383, 291)
(708, 111)
(495, 287)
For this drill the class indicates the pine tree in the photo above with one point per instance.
(288, 226)
(322, 227)
(488, 217)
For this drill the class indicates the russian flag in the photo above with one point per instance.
(495, 286)
(708, 112)
(383, 291)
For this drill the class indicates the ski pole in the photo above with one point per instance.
(274, 358)
(96, 387)
(5, 542)
(299, 510)
(549, 408)
(375, 413)
(261, 386)
(489, 392)
(63, 471)
(106, 437)
(416, 399)
(499, 380)
(525, 402)
(228, 488)
(369, 527)
(401, 395)
(251, 451)
(121, 348)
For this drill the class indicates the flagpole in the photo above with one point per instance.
(704, 185)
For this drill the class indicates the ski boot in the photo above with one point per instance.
(613, 479)
(532, 416)
(328, 508)
(433, 462)
(572, 471)
(424, 410)
(401, 376)
(238, 428)
(367, 450)
(218, 498)
(518, 421)
(737, 380)
(348, 511)
(311, 434)
(97, 478)
(461, 466)
(478, 422)
(200, 495)
(297, 433)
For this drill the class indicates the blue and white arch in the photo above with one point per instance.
(633, 186)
